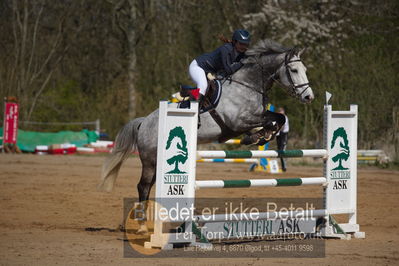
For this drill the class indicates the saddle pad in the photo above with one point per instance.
(215, 97)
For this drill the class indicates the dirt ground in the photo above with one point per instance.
(47, 202)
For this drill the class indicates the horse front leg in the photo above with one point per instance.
(271, 125)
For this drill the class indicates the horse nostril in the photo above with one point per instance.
(308, 98)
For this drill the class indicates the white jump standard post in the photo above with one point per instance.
(176, 182)
(340, 140)
(176, 163)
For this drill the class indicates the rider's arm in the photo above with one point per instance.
(229, 66)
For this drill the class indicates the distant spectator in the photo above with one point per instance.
(282, 138)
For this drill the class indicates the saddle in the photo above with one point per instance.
(208, 102)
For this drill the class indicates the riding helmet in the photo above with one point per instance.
(241, 36)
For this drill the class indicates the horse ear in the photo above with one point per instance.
(293, 52)
(301, 51)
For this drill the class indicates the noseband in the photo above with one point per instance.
(293, 87)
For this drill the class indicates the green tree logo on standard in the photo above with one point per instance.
(181, 149)
(344, 152)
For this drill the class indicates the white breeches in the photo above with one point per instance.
(198, 75)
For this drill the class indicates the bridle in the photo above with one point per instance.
(275, 78)
(287, 61)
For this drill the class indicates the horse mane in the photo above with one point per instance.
(267, 47)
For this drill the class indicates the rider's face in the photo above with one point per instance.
(241, 47)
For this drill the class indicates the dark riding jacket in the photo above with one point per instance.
(223, 61)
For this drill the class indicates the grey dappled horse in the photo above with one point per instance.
(242, 107)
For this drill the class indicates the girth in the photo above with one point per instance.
(206, 105)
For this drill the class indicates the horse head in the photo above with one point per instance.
(292, 75)
(271, 62)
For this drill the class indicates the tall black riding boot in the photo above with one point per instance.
(200, 103)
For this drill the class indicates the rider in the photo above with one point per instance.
(224, 61)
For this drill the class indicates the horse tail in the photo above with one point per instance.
(125, 143)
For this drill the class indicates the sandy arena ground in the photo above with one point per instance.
(47, 202)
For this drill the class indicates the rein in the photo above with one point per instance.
(273, 78)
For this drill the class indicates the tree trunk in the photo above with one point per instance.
(132, 60)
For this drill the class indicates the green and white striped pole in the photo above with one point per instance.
(282, 182)
(228, 161)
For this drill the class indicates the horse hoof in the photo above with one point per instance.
(142, 230)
